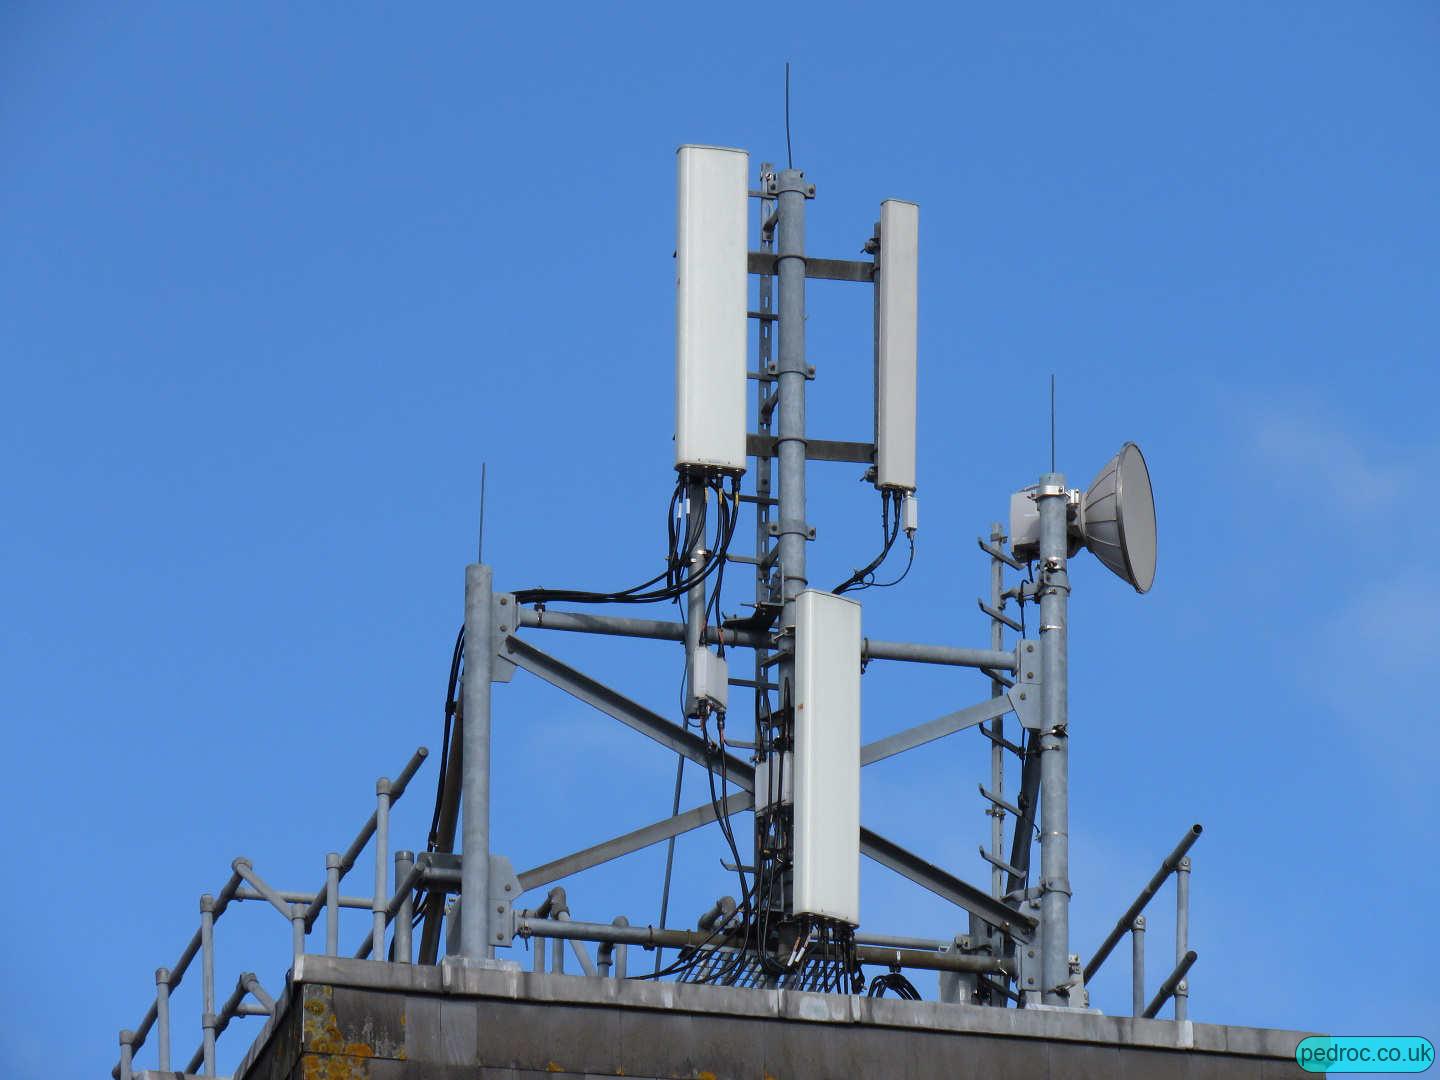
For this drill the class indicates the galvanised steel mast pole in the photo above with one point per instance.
(792, 190)
(475, 764)
(1053, 503)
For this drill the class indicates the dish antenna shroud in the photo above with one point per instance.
(1114, 518)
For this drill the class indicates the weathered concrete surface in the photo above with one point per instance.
(360, 1020)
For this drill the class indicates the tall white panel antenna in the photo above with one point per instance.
(897, 280)
(827, 756)
(711, 289)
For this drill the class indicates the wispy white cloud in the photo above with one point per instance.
(1373, 669)
(1359, 476)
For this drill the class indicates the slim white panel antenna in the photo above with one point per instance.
(897, 279)
(711, 289)
(827, 756)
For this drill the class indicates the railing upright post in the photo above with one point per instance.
(207, 978)
(332, 903)
(297, 931)
(382, 860)
(1182, 935)
(404, 862)
(127, 1055)
(620, 957)
(162, 1017)
(1137, 966)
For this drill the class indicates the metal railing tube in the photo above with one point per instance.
(405, 886)
(162, 1010)
(405, 883)
(234, 1007)
(251, 982)
(1182, 934)
(207, 968)
(382, 867)
(290, 896)
(246, 870)
(297, 931)
(332, 903)
(621, 949)
(1171, 863)
(127, 1055)
(1137, 966)
(1167, 988)
(404, 914)
(347, 860)
(179, 969)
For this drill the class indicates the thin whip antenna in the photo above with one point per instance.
(480, 542)
(1052, 421)
(789, 155)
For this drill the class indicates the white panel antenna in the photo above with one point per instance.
(897, 279)
(711, 289)
(827, 756)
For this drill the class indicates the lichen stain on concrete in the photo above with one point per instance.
(334, 1067)
(554, 1066)
(326, 1055)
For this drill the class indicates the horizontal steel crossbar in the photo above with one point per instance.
(766, 263)
(934, 729)
(946, 885)
(615, 704)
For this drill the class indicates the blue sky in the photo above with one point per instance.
(276, 281)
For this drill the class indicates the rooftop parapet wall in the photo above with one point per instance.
(355, 1020)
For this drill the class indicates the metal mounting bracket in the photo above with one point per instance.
(1025, 694)
(507, 620)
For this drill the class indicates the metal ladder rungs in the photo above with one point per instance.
(999, 616)
(998, 801)
(1001, 864)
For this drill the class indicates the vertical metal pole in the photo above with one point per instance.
(381, 898)
(1182, 935)
(1137, 966)
(297, 930)
(475, 779)
(332, 903)
(792, 374)
(557, 954)
(620, 950)
(767, 590)
(997, 726)
(162, 1016)
(207, 980)
(1054, 741)
(127, 1055)
(405, 916)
